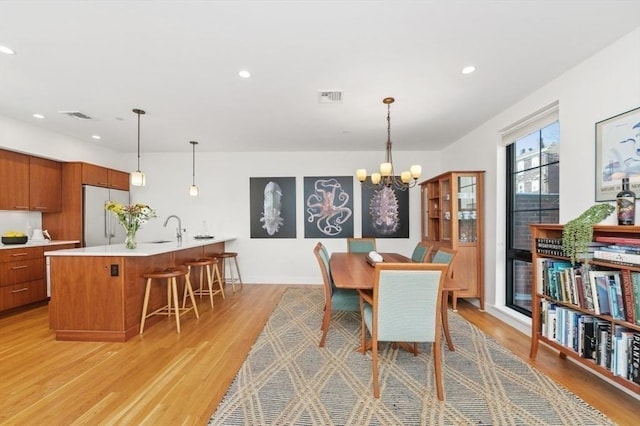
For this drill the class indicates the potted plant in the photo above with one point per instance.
(577, 234)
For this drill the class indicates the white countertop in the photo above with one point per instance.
(37, 244)
(143, 249)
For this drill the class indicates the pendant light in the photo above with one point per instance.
(193, 191)
(138, 178)
(386, 176)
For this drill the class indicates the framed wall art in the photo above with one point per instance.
(328, 207)
(617, 154)
(385, 212)
(272, 205)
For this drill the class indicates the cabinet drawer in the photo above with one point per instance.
(21, 271)
(22, 294)
(23, 253)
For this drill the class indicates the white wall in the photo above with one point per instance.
(223, 179)
(604, 85)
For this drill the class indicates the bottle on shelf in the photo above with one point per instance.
(626, 202)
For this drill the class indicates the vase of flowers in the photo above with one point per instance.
(131, 218)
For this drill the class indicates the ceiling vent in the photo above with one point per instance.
(329, 96)
(76, 114)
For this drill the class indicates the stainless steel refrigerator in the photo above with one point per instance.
(101, 227)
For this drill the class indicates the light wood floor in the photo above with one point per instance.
(164, 378)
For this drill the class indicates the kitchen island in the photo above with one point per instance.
(97, 292)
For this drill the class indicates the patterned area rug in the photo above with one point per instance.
(288, 380)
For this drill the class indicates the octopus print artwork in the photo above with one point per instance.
(385, 212)
(272, 205)
(328, 207)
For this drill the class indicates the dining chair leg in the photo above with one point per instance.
(437, 365)
(374, 367)
(445, 321)
(325, 325)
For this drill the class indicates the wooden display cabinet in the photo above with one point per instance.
(547, 234)
(453, 217)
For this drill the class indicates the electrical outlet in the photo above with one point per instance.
(115, 270)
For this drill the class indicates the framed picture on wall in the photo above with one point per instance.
(385, 212)
(272, 205)
(328, 207)
(617, 154)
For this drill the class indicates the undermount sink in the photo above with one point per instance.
(159, 241)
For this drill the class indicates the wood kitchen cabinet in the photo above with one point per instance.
(45, 185)
(14, 181)
(31, 183)
(22, 277)
(102, 176)
(453, 217)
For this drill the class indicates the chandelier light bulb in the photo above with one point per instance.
(385, 169)
(405, 177)
(375, 178)
(416, 171)
(361, 174)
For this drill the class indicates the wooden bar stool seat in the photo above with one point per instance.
(171, 275)
(210, 265)
(230, 269)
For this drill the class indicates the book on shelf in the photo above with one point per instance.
(635, 287)
(621, 249)
(634, 374)
(615, 297)
(627, 296)
(613, 256)
(618, 240)
(600, 287)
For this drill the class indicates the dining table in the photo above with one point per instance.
(353, 271)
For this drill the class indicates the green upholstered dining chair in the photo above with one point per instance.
(361, 245)
(445, 255)
(335, 299)
(404, 307)
(421, 252)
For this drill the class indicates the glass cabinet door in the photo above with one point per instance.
(467, 209)
(446, 208)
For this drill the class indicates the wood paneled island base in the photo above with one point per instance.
(97, 295)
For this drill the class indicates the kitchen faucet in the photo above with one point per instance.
(178, 229)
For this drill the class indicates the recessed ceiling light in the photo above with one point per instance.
(97, 137)
(40, 116)
(7, 50)
(468, 70)
(244, 74)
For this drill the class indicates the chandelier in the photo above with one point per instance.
(386, 176)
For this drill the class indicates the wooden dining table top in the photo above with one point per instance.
(352, 271)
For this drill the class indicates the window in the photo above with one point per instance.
(532, 186)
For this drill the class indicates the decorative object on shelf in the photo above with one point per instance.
(138, 178)
(626, 202)
(387, 177)
(617, 153)
(131, 217)
(578, 232)
(193, 191)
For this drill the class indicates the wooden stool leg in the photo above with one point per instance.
(216, 271)
(187, 279)
(193, 299)
(209, 284)
(173, 286)
(145, 305)
(235, 260)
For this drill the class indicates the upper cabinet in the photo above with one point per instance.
(29, 183)
(45, 185)
(101, 176)
(14, 181)
(452, 217)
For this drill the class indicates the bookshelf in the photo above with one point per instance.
(566, 297)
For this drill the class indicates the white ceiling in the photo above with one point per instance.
(178, 60)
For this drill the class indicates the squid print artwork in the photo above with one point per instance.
(327, 206)
(272, 208)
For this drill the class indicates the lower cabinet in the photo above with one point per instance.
(22, 277)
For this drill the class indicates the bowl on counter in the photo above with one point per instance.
(14, 240)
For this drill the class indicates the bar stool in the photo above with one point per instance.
(210, 264)
(172, 293)
(229, 269)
